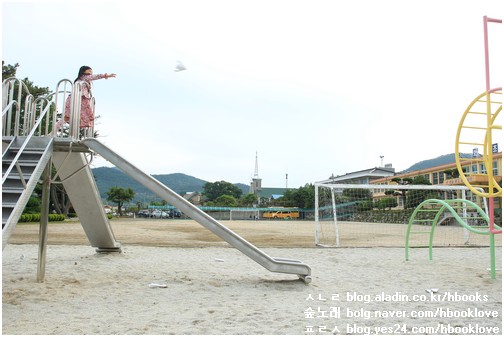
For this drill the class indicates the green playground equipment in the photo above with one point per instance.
(465, 212)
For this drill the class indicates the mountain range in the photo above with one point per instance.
(441, 160)
(107, 177)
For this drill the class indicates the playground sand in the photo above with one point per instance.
(207, 287)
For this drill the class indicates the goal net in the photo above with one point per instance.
(352, 215)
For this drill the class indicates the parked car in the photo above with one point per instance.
(143, 213)
(159, 214)
(174, 213)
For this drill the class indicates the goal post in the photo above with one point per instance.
(351, 215)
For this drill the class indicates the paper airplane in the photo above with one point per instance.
(180, 66)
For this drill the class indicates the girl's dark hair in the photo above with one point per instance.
(82, 70)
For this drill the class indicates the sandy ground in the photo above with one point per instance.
(212, 288)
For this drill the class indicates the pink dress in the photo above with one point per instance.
(86, 113)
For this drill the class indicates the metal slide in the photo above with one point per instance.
(277, 265)
(79, 183)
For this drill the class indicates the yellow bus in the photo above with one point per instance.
(281, 215)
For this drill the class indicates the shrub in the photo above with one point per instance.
(36, 217)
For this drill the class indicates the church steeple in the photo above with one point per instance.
(256, 171)
(255, 184)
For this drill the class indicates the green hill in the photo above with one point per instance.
(107, 177)
(441, 160)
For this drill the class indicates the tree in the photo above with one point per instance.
(303, 197)
(248, 200)
(386, 203)
(415, 197)
(59, 199)
(401, 192)
(226, 200)
(212, 191)
(120, 195)
(365, 205)
(8, 70)
(354, 194)
(32, 206)
(452, 173)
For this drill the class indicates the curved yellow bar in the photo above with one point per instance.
(472, 120)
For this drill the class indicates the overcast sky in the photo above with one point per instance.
(314, 87)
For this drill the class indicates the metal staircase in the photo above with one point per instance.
(23, 162)
(31, 143)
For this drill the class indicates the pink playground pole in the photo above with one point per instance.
(486, 20)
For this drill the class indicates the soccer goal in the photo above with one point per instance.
(358, 215)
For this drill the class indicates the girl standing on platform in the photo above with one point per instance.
(86, 113)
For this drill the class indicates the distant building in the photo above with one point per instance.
(260, 192)
(362, 177)
(108, 209)
(256, 182)
(441, 175)
(193, 197)
(446, 174)
(271, 193)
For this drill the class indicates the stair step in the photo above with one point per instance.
(10, 199)
(13, 190)
(25, 169)
(23, 157)
(20, 161)
(23, 177)
(27, 149)
(16, 177)
(14, 183)
(11, 155)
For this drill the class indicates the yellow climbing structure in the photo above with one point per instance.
(475, 136)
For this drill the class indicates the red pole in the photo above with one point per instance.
(491, 214)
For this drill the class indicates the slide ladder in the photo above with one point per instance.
(279, 265)
(23, 162)
(469, 215)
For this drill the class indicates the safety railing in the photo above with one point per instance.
(21, 116)
(25, 116)
(12, 104)
(20, 110)
(66, 90)
(26, 119)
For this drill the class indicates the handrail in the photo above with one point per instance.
(65, 93)
(7, 114)
(35, 111)
(25, 143)
(12, 108)
(75, 107)
(7, 106)
(8, 87)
